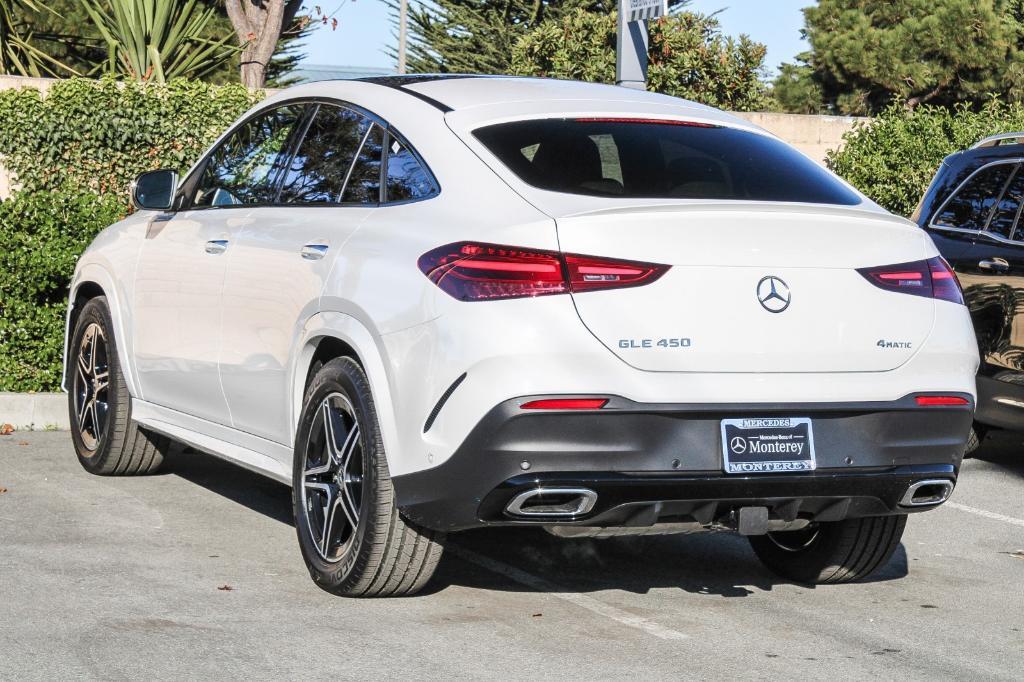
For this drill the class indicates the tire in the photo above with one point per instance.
(106, 440)
(352, 537)
(834, 552)
(974, 439)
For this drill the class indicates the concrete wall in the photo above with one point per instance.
(813, 135)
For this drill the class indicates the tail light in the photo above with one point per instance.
(932, 278)
(486, 272)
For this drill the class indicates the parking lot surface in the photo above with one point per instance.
(196, 573)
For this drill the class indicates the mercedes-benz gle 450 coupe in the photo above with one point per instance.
(430, 304)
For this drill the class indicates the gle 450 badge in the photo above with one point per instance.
(767, 445)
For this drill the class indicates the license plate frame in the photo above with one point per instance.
(768, 445)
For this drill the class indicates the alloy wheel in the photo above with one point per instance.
(332, 477)
(92, 384)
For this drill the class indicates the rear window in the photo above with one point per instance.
(640, 159)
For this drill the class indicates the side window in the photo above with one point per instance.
(317, 172)
(244, 168)
(1007, 209)
(364, 181)
(970, 207)
(407, 179)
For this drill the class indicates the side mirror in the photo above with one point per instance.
(154, 191)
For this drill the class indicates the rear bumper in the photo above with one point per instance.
(650, 463)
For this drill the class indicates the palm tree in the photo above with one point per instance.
(17, 54)
(158, 39)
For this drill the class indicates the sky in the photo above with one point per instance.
(364, 30)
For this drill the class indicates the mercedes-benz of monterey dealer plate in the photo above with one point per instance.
(767, 445)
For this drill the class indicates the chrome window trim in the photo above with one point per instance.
(994, 140)
(983, 231)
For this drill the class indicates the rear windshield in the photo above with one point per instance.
(641, 159)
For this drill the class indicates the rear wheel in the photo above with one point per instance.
(106, 439)
(352, 537)
(974, 439)
(834, 552)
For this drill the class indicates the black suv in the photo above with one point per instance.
(972, 210)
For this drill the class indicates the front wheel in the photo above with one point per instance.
(352, 537)
(833, 552)
(106, 440)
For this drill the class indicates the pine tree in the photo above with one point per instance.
(868, 54)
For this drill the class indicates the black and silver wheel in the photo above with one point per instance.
(351, 535)
(833, 552)
(91, 386)
(106, 440)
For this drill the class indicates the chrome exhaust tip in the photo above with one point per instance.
(927, 493)
(563, 502)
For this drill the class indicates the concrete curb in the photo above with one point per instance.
(35, 411)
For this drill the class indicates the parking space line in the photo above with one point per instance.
(583, 601)
(987, 514)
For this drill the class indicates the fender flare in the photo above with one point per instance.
(370, 356)
(95, 273)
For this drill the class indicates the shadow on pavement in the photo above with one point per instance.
(1004, 450)
(259, 493)
(720, 564)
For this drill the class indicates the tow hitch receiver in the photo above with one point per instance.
(752, 521)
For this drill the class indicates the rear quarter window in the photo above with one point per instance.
(632, 158)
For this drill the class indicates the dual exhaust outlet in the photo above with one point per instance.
(569, 503)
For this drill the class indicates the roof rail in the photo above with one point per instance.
(994, 140)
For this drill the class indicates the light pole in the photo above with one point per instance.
(403, 19)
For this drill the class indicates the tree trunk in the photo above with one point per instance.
(258, 25)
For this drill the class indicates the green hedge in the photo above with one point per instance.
(893, 157)
(73, 154)
(42, 234)
(96, 136)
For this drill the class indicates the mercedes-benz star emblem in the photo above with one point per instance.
(738, 445)
(773, 294)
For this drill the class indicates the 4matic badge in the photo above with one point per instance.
(882, 343)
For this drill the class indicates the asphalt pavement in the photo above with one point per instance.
(195, 573)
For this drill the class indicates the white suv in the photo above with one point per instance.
(437, 303)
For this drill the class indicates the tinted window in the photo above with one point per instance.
(970, 207)
(244, 168)
(317, 172)
(1006, 210)
(621, 158)
(364, 183)
(406, 177)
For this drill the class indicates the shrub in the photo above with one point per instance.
(687, 57)
(893, 157)
(42, 234)
(96, 136)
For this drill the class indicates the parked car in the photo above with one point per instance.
(436, 303)
(972, 210)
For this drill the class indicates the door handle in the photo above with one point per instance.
(314, 251)
(216, 246)
(994, 264)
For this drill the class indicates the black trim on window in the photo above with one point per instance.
(186, 191)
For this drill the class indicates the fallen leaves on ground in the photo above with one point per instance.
(6, 429)
(225, 588)
(2, 490)
(1019, 554)
(23, 443)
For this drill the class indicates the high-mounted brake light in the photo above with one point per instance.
(565, 404)
(655, 121)
(940, 400)
(932, 278)
(486, 272)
